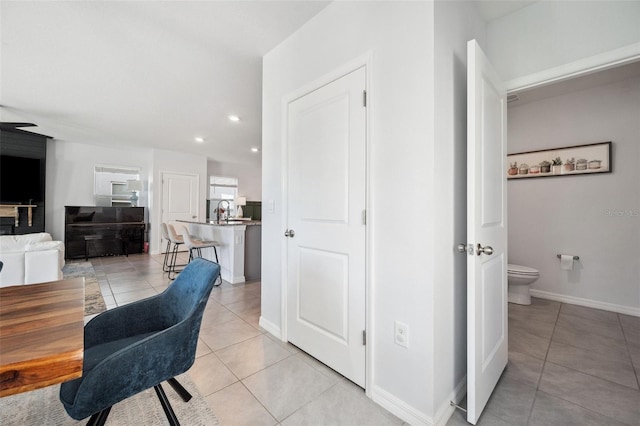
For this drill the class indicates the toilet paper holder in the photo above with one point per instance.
(574, 257)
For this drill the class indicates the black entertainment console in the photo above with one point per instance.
(23, 158)
(91, 231)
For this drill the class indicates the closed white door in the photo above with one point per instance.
(487, 340)
(326, 137)
(179, 198)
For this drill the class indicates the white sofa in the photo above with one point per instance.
(30, 258)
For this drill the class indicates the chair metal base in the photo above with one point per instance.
(166, 406)
(180, 390)
(199, 251)
(165, 262)
(99, 419)
(172, 262)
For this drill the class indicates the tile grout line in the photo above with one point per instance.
(544, 363)
(595, 377)
(255, 396)
(546, 355)
(583, 407)
(313, 399)
(260, 402)
(585, 373)
(586, 349)
(626, 341)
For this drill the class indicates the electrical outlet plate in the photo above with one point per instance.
(401, 334)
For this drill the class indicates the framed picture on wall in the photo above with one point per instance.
(566, 161)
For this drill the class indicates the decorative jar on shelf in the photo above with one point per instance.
(523, 169)
(569, 165)
(545, 167)
(581, 164)
(595, 164)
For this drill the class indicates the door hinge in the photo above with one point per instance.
(364, 217)
(364, 337)
(364, 98)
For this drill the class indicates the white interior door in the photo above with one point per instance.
(487, 342)
(179, 198)
(325, 213)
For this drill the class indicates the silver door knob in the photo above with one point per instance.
(289, 233)
(488, 250)
(462, 248)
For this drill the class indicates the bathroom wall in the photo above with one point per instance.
(596, 217)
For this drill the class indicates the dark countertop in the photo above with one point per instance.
(225, 223)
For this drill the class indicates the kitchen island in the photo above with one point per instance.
(232, 237)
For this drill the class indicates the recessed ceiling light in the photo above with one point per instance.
(234, 118)
(199, 139)
(255, 149)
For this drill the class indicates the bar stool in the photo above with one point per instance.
(176, 240)
(193, 244)
(165, 235)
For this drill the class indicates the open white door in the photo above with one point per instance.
(487, 342)
(326, 235)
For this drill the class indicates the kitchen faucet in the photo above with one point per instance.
(218, 209)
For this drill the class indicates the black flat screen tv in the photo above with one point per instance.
(20, 179)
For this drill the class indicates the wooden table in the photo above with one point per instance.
(41, 334)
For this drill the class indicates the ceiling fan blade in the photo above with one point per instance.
(13, 125)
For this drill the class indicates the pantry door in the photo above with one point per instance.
(326, 182)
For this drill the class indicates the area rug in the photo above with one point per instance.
(43, 407)
(93, 300)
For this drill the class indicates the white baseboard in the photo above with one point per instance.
(237, 279)
(400, 408)
(589, 303)
(446, 410)
(270, 327)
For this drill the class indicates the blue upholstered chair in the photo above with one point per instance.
(137, 346)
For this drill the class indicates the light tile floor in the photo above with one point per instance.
(568, 365)
(247, 376)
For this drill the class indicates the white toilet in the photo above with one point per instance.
(520, 279)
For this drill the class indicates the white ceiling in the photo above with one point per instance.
(154, 74)
(150, 73)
